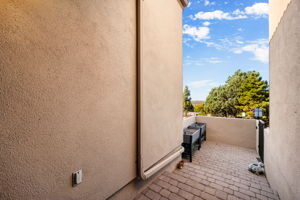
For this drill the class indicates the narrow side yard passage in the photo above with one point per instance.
(218, 171)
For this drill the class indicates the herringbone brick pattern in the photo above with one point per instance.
(218, 172)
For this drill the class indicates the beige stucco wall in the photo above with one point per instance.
(130, 191)
(67, 98)
(276, 10)
(239, 132)
(282, 144)
(161, 79)
(188, 121)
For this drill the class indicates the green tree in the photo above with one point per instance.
(215, 102)
(187, 103)
(199, 108)
(254, 94)
(233, 91)
(223, 100)
(242, 92)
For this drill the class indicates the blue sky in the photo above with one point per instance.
(220, 37)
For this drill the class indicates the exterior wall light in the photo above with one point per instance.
(243, 114)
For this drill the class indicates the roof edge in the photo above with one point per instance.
(184, 3)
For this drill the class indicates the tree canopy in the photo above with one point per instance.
(199, 108)
(187, 103)
(254, 94)
(242, 92)
(222, 100)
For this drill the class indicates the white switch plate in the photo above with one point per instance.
(77, 177)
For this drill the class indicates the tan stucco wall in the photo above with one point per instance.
(239, 132)
(282, 144)
(161, 79)
(276, 11)
(188, 121)
(130, 191)
(67, 98)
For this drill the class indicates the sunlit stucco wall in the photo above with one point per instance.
(282, 144)
(161, 79)
(234, 131)
(68, 94)
(67, 98)
(276, 10)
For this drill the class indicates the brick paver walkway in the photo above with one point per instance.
(218, 171)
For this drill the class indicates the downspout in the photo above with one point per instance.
(145, 174)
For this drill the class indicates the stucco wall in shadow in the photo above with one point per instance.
(282, 144)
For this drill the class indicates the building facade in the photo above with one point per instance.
(82, 87)
(282, 144)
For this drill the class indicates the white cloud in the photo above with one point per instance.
(201, 61)
(190, 3)
(208, 3)
(202, 83)
(215, 61)
(213, 44)
(262, 54)
(259, 9)
(197, 34)
(229, 44)
(238, 12)
(258, 48)
(239, 42)
(187, 42)
(256, 10)
(191, 62)
(206, 23)
(217, 14)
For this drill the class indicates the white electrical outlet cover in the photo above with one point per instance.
(77, 177)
